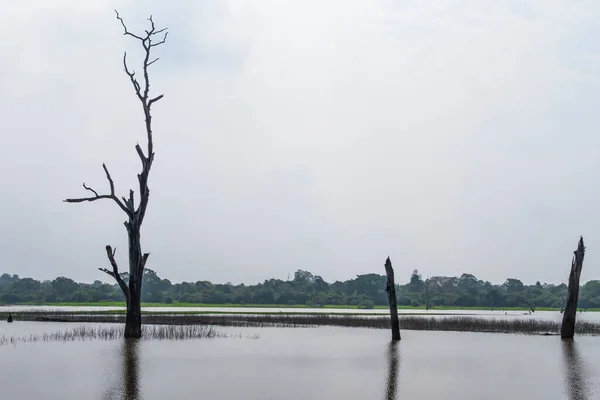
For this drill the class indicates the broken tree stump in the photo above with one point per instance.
(390, 288)
(567, 329)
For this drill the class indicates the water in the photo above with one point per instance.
(543, 315)
(302, 363)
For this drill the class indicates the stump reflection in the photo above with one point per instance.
(393, 371)
(574, 372)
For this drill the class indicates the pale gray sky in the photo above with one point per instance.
(454, 136)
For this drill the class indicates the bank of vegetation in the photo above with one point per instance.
(306, 289)
(156, 325)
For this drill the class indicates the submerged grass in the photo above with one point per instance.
(160, 332)
(457, 324)
(411, 322)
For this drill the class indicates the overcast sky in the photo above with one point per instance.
(453, 136)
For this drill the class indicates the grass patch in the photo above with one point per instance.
(457, 323)
(156, 332)
(410, 322)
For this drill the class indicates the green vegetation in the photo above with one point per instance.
(304, 290)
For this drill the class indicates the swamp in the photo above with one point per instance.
(297, 356)
(291, 136)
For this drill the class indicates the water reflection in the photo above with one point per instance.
(393, 370)
(574, 372)
(128, 386)
(131, 388)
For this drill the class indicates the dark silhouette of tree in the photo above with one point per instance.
(567, 330)
(135, 214)
(390, 288)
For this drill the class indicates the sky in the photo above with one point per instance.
(454, 136)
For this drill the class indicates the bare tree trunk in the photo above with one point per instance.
(133, 320)
(390, 288)
(567, 330)
(132, 290)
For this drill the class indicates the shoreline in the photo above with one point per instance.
(282, 306)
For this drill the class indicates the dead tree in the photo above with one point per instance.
(135, 214)
(390, 288)
(567, 329)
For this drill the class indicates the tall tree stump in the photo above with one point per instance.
(567, 330)
(390, 288)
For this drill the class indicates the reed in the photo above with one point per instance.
(149, 332)
(458, 324)
(447, 323)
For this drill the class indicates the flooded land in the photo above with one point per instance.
(299, 363)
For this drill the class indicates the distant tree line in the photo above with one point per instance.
(364, 291)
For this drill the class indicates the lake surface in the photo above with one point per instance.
(302, 363)
(542, 315)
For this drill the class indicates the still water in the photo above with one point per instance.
(302, 363)
(543, 315)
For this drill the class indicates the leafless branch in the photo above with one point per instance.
(131, 74)
(110, 181)
(162, 41)
(154, 100)
(140, 153)
(153, 61)
(125, 27)
(131, 202)
(111, 196)
(115, 271)
(82, 199)
(146, 255)
(144, 259)
(90, 189)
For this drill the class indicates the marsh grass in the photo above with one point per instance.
(447, 323)
(149, 332)
(458, 324)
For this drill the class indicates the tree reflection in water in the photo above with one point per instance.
(126, 385)
(393, 370)
(574, 371)
(131, 390)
